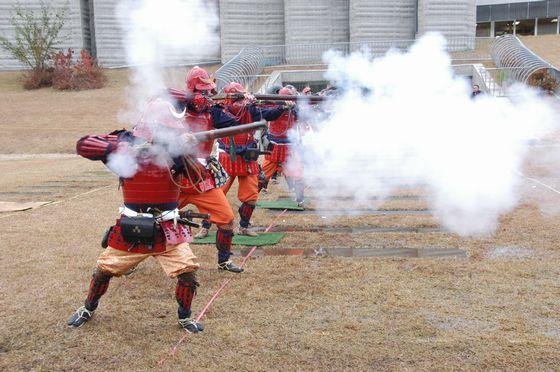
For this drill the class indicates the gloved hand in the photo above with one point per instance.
(189, 143)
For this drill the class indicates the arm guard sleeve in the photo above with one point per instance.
(177, 95)
(98, 147)
(268, 114)
(221, 118)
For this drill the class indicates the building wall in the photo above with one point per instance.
(273, 23)
(382, 20)
(498, 11)
(108, 34)
(250, 22)
(451, 18)
(495, 18)
(489, 2)
(109, 37)
(317, 22)
(71, 32)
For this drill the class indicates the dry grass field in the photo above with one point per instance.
(494, 308)
(47, 120)
(546, 46)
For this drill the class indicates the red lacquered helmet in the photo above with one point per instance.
(198, 79)
(286, 92)
(234, 88)
(158, 113)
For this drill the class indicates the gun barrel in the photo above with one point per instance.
(230, 131)
(280, 97)
(188, 214)
(269, 97)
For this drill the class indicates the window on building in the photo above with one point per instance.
(547, 26)
(483, 29)
(502, 28)
(525, 27)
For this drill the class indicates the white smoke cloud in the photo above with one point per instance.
(160, 33)
(406, 120)
(123, 163)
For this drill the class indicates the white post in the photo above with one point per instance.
(492, 29)
(536, 26)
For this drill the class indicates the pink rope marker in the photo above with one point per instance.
(206, 307)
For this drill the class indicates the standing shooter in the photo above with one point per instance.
(149, 222)
(278, 131)
(202, 115)
(239, 154)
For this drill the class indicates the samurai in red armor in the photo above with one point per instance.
(151, 160)
(239, 154)
(283, 159)
(202, 115)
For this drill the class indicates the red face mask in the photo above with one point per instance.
(201, 102)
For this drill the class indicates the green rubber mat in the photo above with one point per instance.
(282, 204)
(262, 239)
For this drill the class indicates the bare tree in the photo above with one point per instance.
(35, 36)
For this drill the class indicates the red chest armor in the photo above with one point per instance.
(243, 116)
(152, 184)
(200, 122)
(239, 167)
(279, 128)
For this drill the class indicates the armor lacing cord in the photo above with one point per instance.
(203, 312)
(199, 174)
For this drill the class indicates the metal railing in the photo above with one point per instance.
(243, 68)
(515, 62)
(280, 78)
(509, 52)
(497, 81)
(246, 67)
(493, 81)
(460, 49)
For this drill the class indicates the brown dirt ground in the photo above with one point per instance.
(495, 309)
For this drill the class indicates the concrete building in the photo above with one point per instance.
(305, 26)
(452, 18)
(107, 30)
(250, 22)
(500, 17)
(383, 20)
(312, 22)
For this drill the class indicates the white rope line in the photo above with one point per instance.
(58, 201)
(541, 183)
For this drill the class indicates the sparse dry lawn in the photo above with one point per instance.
(546, 46)
(495, 309)
(47, 120)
